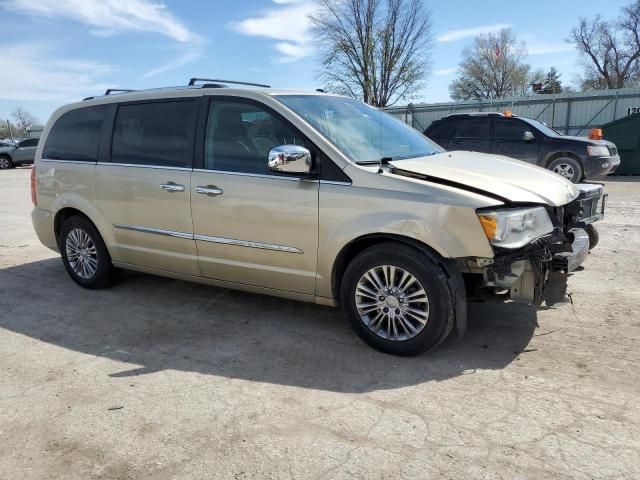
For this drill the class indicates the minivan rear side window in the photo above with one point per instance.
(75, 135)
(155, 133)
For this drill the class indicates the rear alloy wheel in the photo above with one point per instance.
(85, 255)
(5, 163)
(397, 299)
(568, 168)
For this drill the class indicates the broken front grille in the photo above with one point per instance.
(587, 208)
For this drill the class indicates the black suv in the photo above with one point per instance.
(574, 158)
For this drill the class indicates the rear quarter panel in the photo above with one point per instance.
(62, 184)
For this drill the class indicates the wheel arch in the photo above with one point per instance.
(454, 277)
(63, 214)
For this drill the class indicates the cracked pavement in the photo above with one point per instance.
(157, 378)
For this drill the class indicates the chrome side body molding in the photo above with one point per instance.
(206, 238)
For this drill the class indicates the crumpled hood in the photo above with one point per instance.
(497, 175)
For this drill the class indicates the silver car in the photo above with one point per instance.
(21, 153)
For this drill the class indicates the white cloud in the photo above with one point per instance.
(453, 35)
(188, 56)
(37, 75)
(108, 17)
(446, 71)
(288, 24)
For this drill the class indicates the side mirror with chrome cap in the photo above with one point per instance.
(528, 137)
(291, 159)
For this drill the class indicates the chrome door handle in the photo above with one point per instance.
(172, 187)
(210, 190)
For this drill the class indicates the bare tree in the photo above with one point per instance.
(375, 50)
(24, 120)
(4, 129)
(493, 67)
(610, 49)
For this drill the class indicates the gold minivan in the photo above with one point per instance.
(305, 195)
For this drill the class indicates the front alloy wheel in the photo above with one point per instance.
(568, 168)
(392, 303)
(564, 170)
(397, 298)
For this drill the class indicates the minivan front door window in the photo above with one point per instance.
(240, 135)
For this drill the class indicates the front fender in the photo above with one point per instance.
(450, 231)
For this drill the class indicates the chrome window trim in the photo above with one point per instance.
(201, 170)
(206, 238)
(56, 160)
(277, 177)
(247, 243)
(246, 174)
(334, 182)
(156, 231)
(157, 167)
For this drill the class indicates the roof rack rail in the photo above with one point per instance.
(118, 90)
(216, 83)
(110, 91)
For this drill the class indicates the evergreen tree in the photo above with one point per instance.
(552, 83)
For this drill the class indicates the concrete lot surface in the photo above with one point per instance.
(163, 379)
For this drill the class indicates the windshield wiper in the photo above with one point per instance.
(382, 161)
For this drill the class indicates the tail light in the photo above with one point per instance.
(34, 197)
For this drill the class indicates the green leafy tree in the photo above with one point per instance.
(552, 83)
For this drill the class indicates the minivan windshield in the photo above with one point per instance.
(363, 133)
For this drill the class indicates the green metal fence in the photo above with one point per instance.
(570, 113)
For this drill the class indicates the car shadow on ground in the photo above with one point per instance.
(156, 324)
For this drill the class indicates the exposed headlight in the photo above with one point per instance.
(598, 151)
(514, 228)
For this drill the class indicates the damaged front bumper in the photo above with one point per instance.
(538, 272)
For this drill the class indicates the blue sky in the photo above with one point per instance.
(57, 51)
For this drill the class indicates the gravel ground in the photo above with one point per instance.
(163, 379)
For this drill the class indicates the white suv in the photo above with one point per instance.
(304, 195)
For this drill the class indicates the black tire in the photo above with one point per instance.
(594, 236)
(430, 276)
(105, 273)
(567, 167)
(5, 163)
